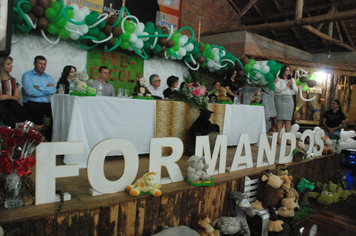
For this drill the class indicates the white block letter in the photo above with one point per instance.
(289, 157)
(311, 134)
(264, 147)
(318, 141)
(244, 142)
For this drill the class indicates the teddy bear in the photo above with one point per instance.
(140, 89)
(299, 152)
(257, 96)
(81, 81)
(328, 145)
(145, 184)
(222, 95)
(196, 169)
(202, 224)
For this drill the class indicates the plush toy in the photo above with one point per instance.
(267, 197)
(239, 206)
(257, 96)
(196, 169)
(141, 89)
(299, 152)
(202, 224)
(287, 208)
(329, 145)
(202, 126)
(222, 95)
(330, 193)
(146, 185)
(81, 81)
(287, 189)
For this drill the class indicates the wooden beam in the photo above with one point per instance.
(246, 8)
(311, 29)
(272, 31)
(338, 31)
(331, 24)
(291, 23)
(298, 10)
(344, 28)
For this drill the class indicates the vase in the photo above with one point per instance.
(13, 190)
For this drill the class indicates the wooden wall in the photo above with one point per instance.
(178, 205)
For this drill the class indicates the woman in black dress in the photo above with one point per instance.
(172, 83)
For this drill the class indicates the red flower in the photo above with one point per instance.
(31, 161)
(17, 132)
(196, 92)
(6, 165)
(5, 132)
(10, 142)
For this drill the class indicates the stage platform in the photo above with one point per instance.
(119, 214)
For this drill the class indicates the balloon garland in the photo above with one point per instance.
(306, 81)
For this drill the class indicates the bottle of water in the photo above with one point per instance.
(99, 90)
(236, 100)
(71, 86)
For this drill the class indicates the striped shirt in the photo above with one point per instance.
(9, 86)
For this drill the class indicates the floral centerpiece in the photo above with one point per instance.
(17, 156)
(193, 92)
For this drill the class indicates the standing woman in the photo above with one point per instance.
(10, 110)
(66, 78)
(232, 84)
(285, 87)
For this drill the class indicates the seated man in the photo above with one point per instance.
(38, 85)
(155, 82)
(334, 120)
(108, 89)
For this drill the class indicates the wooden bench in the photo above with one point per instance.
(250, 188)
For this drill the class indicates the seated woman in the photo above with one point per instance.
(334, 120)
(11, 111)
(172, 83)
(66, 78)
(216, 87)
(232, 84)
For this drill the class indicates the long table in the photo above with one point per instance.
(93, 119)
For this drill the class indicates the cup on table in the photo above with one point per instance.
(120, 92)
(126, 93)
(61, 88)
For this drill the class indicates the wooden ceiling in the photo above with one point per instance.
(315, 26)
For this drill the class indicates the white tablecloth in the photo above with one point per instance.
(93, 119)
(244, 119)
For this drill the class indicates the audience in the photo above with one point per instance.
(155, 82)
(108, 89)
(172, 83)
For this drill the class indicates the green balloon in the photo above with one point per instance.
(175, 40)
(197, 55)
(125, 36)
(176, 34)
(64, 34)
(129, 27)
(69, 13)
(150, 24)
(150, 30)
(176, 47)
(247, 68)
(195, 50)
(17, 18)
(204, 65)
(271, 63)
(157, 49)
(271, 85)
(188, 59)
(312, 76)
(52, 28)
(211, 55)
(124, 45)
(94, 32)
(274, 70)
(269, 77)
(61, 22)
(146, 45)
(90, 19)
(305, 87)
(26, 7)
(57, 6)
(101, 25)
(297, 81)
(95, 14)
(101, 36)
(252, 61)
(206, 46)
(158, 30)
(279, 65)
(51, 13)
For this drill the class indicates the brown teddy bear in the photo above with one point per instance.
(257, 97)
(202, 224)
(141, 89)
(222, 95)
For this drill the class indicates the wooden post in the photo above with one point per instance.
(199, 31)
(298, 10)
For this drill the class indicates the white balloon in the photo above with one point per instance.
(294, 128)
(133, 38)
(185, 38)
(79, 16)
(189, 47)
(83, 29)
(263, 63)
(74, 36)
(217, 58)
(263, 81)
(210, 64)
(181, 52)
(75, 7)
(139, 44)
(265, 69)
(215, 51)
(85, 10)
(223, 53)
(72, 26)
(139, 28)
(216, 67)
(130, 48)
(146, 38)
(181, 42)
(259, 75)
(173, 57)
(257, 66)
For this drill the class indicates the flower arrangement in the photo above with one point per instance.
(17, 148)
(193, 92)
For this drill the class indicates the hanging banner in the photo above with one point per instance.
(124, 67)
(169, 13)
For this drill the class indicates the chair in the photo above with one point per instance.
(250, 188)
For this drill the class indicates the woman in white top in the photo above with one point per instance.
(285, 87)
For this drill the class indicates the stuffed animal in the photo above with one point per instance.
(196, 169)
(257, 96)
(267, 197)
(202, 224)
(81, 81)
(145, 184)
(330, 193)
(299, 152)
(239, 207)
(222, 95)
(141, 89)
(329, 145)
(202, 126)
(287, 208)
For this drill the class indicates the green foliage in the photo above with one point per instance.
(305, 185)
